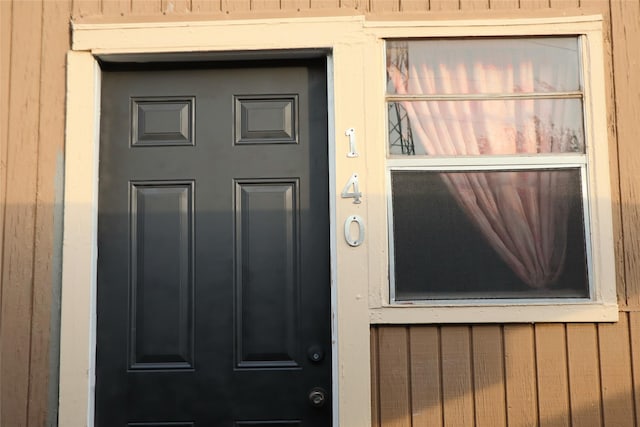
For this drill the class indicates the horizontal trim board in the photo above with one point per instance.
(194, 36)
(79, 26)
(493, 313)
(217, 35)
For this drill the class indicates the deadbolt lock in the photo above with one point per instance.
(315, 354)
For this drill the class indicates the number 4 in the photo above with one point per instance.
(352, 184)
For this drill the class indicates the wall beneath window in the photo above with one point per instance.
(423, 375)
(515, 375)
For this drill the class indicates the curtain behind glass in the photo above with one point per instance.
(522, 215)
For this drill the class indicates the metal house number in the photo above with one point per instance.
(354, 185)
(351, 241)
(351, 133)
(352, 191)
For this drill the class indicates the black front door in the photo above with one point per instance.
(213, 246)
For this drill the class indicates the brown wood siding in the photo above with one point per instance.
(482, 375)
(34, 39)
(5, 55)
(625, 39)
(576, 375)
(20, 210)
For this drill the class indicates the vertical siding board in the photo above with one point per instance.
(116, 7)
(375, 377)
(488, 376)
(625, 25)
(534, 4)
(474, 4)
(5, 87)
(175, 6)
(86, 8)
(394, 377)
(426, 398)
(634, 332)
(614, 156)
(50, 151)
(355, 4)
(552, 374)
(320, 4)
(584, 375)
(414, 5)
(615, 368)
(385, 5)
(503, 4)
(265, 4)
(444, 5)
(17, 272)
(457, 382)
(520, 374)
(149, 7)
(235, 5)
(295, 4)
(564, 4)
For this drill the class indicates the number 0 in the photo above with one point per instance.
(347, 230)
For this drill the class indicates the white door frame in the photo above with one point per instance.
(345, 39)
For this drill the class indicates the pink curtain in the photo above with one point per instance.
(522, 214)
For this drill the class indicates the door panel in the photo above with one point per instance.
(213, 234)
(267, 242)
(161, 335)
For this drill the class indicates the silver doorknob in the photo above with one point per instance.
(317, 397)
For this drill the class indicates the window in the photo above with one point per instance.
(489, 179)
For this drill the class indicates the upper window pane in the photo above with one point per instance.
(484, 96)
(483, 66)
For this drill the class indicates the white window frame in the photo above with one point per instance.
(602, 302)
(359, 278)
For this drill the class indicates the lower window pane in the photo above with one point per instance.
(496, 234)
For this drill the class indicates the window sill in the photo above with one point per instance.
(508, 311)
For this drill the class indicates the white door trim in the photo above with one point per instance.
(345, 38)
